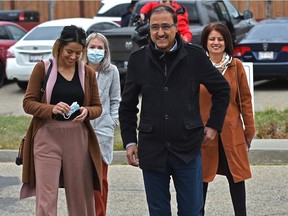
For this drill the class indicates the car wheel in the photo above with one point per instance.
(2, 75)
(22, 84)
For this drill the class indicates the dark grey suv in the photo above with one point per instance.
(200, 14)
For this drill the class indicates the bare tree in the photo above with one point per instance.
(51, 6)
(268, 8)
(247, 6)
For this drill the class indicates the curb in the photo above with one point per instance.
(262, 152)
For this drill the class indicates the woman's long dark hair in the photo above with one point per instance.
(222, 29)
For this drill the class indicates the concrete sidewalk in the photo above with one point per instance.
(267, 193)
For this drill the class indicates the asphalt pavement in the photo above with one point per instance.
(267, 193)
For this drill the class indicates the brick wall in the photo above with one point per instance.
(89, 8)
(279, 8)
(62, 9)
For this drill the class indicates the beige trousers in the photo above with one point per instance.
(62, 147)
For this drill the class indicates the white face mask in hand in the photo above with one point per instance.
(73, 108)
(95, 56)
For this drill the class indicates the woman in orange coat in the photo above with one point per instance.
(227, 153)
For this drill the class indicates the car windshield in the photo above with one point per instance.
(117, 10)
(270, 31)
(45, 33)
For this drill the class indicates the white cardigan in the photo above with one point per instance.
(110, 96)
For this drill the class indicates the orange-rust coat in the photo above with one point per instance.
(232, 135)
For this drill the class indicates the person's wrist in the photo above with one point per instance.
(130, 144)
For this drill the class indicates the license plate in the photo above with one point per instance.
(266, 55)
(35, 58)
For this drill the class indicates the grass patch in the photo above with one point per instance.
(270, 124)
(12, 130)
(118, 145)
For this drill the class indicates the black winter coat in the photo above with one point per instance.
(170, 119)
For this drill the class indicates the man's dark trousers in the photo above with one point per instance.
(186, 177)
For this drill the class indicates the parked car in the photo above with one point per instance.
(27, 19)
(37, 45)
(113, 9)
(266, 45)
(10, 33)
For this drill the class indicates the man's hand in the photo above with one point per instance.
(209, 134)
(248, 142)
(142, 16)
(132, 155)
(184, 38)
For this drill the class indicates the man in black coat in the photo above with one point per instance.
(167, 74)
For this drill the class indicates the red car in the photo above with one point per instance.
(10, 33)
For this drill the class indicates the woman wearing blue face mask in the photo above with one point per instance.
(98, 58)
(95, 55)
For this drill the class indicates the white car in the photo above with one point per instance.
(37, 45)
(113, 9)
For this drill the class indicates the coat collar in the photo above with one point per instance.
(53, 76)
(102, 80)
(159, 53)
(230, 74)
(174, 57)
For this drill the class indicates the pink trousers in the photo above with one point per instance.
(62, 147)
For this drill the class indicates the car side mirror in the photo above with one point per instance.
(247, 14)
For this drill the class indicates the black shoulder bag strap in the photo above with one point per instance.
(19, 159)
(43, 86)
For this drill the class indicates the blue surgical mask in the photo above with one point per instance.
(95, 56)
